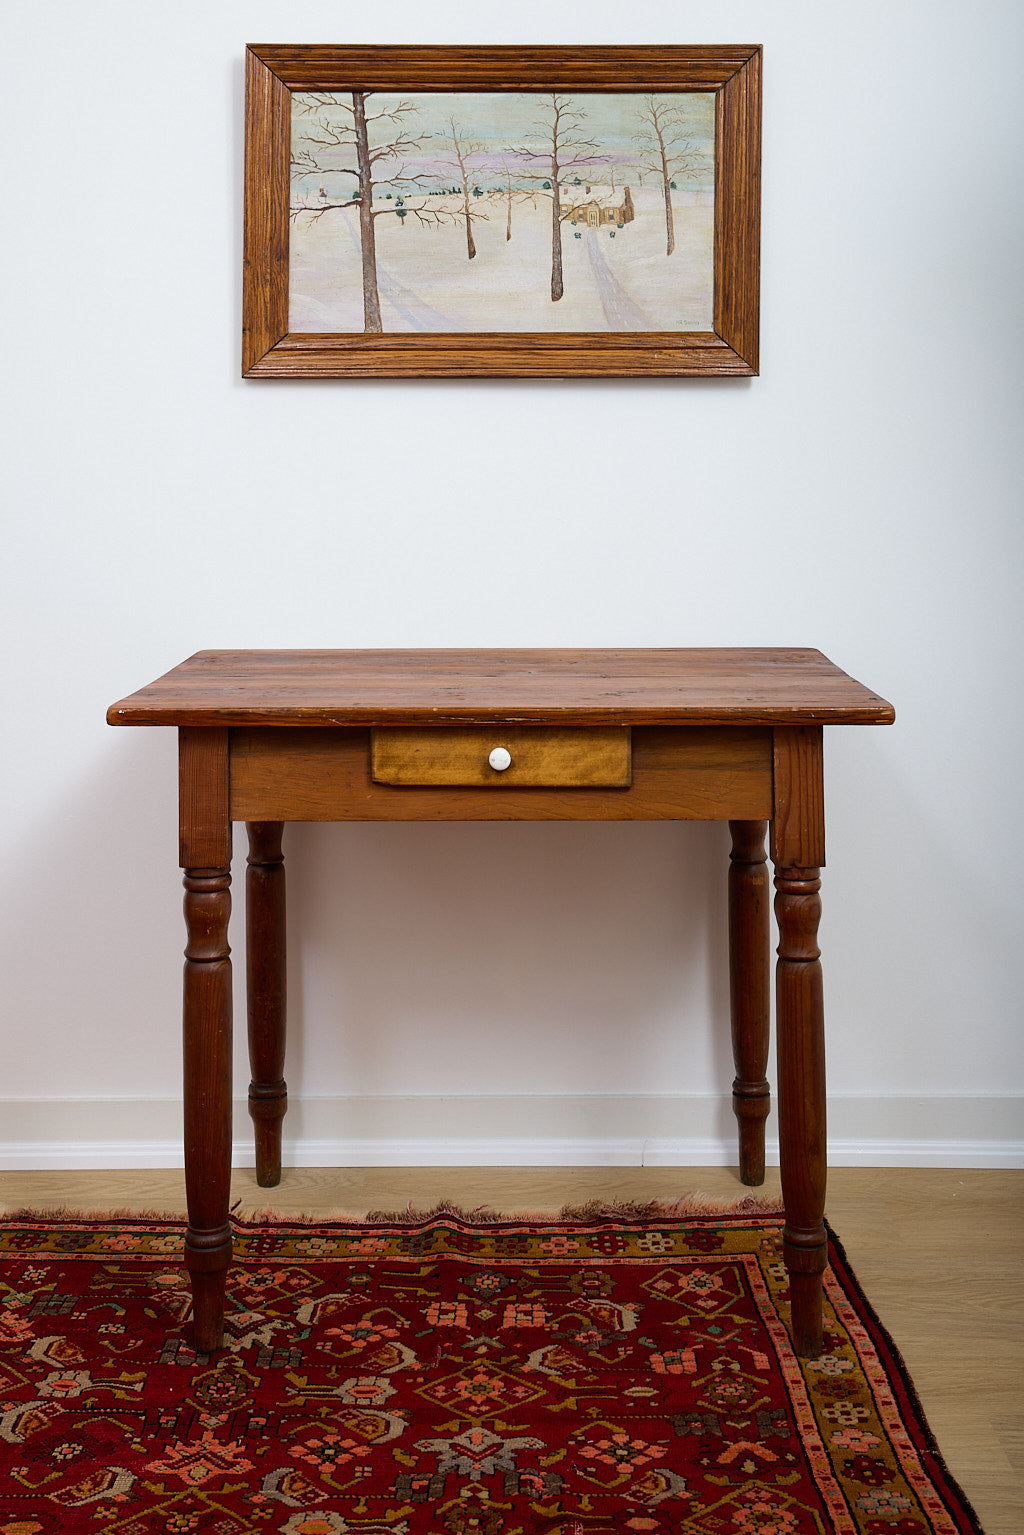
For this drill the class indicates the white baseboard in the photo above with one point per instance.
(695, 1130)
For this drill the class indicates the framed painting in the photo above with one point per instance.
(430, 212)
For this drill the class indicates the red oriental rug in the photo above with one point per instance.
(445, 1375)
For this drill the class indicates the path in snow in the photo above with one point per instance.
(407, 303)
(619, 309)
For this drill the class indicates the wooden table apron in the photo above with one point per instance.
(754, 773)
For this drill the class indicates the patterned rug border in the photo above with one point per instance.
(746, 1210)
(896, 1368)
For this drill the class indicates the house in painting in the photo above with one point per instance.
(597, 207)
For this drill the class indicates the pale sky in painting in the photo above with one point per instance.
(497, 120)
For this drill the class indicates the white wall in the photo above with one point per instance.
(858, 497)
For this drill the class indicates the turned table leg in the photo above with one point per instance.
(798, 851)
(801, 1060)
(266, 994)
(207, 1041)
(206, 858)
(749, 988)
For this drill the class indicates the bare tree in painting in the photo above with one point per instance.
(343, 130)
(513, 194)
(666, 149)
(564, 153)
(464, 150)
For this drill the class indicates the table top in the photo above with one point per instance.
(458, 687)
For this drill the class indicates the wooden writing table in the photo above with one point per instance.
(480, 735)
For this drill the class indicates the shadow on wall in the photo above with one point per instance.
(508, 957)
(476, 958)
(491, 957)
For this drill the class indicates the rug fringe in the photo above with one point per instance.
(592, 1210)
(673, 1209)
(689, 1205)
(57, 1213)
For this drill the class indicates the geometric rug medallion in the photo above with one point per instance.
(602, 1372)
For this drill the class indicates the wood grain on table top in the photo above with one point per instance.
(426, 687)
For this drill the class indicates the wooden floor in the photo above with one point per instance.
(940, 1255)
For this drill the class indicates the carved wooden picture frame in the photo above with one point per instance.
(323, 173)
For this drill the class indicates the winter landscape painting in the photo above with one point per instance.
(501, 211)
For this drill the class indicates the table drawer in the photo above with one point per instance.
(524, 756)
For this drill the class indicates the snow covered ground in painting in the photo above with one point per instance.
(427, 283)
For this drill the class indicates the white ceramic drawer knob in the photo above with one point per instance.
(500, 759)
